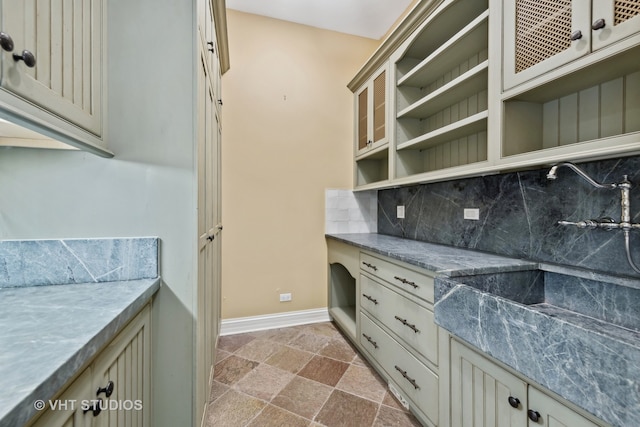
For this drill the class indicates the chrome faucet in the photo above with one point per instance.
(606, 223)
(553, 174)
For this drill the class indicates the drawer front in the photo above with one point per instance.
(417, 382)
(418, 284)
(412, 323)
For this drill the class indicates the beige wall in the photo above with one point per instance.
(287, 136)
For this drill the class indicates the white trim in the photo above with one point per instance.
(241, 325)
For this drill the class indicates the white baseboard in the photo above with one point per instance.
(241, 325)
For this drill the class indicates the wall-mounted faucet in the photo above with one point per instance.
(606, 223)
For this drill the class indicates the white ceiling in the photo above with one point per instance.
(365, 18)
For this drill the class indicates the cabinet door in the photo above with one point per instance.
(371, 112)
(125, 367)
(67, 410)
(553, 413)
(538, 36)
(481, 392)
(66, 39)
(614, 20)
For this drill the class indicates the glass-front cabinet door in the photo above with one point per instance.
(541, 35)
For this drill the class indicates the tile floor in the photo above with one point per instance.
(305, 375)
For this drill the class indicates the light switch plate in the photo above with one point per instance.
(473, 214)
(400, 212)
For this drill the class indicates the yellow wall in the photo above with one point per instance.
(287, 136)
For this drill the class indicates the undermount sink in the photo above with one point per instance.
(576, 334)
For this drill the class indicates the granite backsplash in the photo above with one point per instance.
(519, 213)
(68, 261)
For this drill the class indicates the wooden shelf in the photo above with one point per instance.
(466, 126)
(468, 41)
(473, 81)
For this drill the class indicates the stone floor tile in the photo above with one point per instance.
(232, 369)
(303, 397)
(277, 417)
(390, 400)
(325, 328)
(312, 343)
(389, 417)
(324, 370)
(233, 409)
(217, 390)
(346, 410)
(231, 343)
(289, 359)
(264, 382)
(258, 349)
(339, 348)
(363, 382)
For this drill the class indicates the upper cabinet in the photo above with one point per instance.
(540, 36)
(482, 86)
(53, 69)
(371, 112)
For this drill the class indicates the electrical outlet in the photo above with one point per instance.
(285, 297)
(398, 396)
(473, 214)
(400, 212)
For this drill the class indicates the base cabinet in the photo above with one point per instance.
(114, 390)
(483, 394)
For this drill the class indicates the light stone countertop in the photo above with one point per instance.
(440, 259)
(49, 333)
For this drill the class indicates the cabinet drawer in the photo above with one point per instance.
(408, 280)
(409, 321)
(417, 382)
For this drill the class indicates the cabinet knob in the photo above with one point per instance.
(210, 48)
(534, 415)
(6, 42)
(220, 101)
(598, 24)
(576, 35)
(211, 237)
(107, 390)
(95, 407)
(26, 56)
(514, 401)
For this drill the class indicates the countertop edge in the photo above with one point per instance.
(514, 264)
(24, 411)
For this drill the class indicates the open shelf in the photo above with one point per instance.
(466, 43)
(467, 126)
(373, 168)
(472, 81)
(343, 298)
(607, 110)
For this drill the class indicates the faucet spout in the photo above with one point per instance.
(553, 174)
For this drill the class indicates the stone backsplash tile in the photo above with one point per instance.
(519, 212)
(59, 262)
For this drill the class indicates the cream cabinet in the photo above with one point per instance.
(479, 87)
(372, 108)
(53, 62)
(209, 237)
(372, 129)
(483, 394)
(114, 390)
(543, 35)
(397, 332)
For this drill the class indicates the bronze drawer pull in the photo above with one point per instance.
(407, 324)
(373, 300)
(372, 342)
(406, 282)
(371, 266)
(406, 377)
